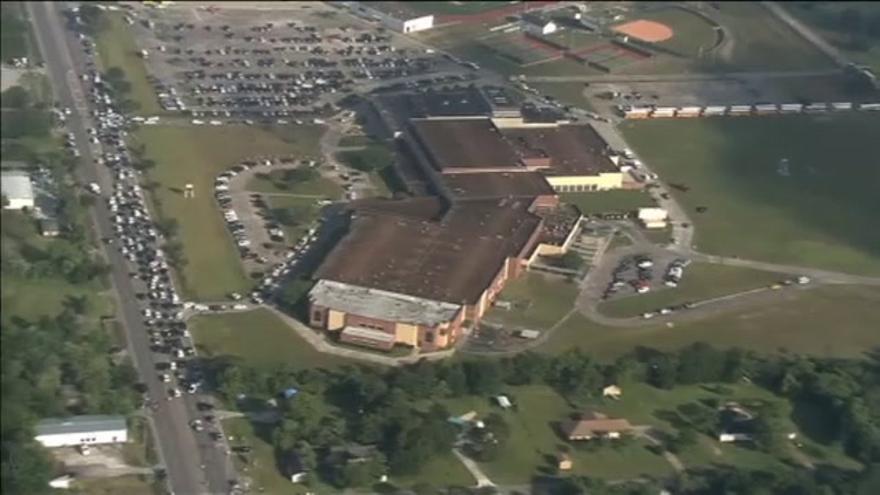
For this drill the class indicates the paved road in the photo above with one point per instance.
(179, 451)
(621, 78)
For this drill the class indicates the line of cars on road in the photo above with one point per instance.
(140, 241)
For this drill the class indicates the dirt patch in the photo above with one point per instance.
(645, 30)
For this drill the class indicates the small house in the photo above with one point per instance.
(49, 227)
(292, 467)
(564, 462)
(539, 25)
(612, 391)
(653, 218)
(595, 425)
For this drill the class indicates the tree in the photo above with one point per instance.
(685, 438)
(284, 216)
(571, 260)
(169, 227)
(483, 377)
(77, 304)
(16, 97)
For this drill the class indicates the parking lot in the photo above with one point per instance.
(283, 66)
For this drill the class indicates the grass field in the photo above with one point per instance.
(259, 465)
(761, 41)
(320, 186)
(533, 437)
(801, 324)
(15, 32)
(117, 48)
(32, 299)
(356, 140)
(825, 18)
(453, 8)
(700, 281)
(819, 214)
(570, 93)
(305, 210)
(539, 301)
(609, 201)
(693, 34)
(643, 404)
(129, 485)
(258, 338)
(196, 155)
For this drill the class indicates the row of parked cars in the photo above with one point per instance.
(273, 66)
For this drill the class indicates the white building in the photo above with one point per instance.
(400, 20)
(538, 25)
(16, 187)
(81, 430)
(653, 218)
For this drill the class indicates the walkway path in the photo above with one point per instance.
(474, 468)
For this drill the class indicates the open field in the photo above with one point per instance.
(570, 93)
(356, 140)
(258, 338)
(539, 301)
(591, 203)
(533, 437)
(15, 35)
(196, 155)
(273, 183)
(129, 485)
(835, 321)
(814, 209)
(457, 8)
(33, 299)
(700, 281)
(117, 48)
(761, 41)
(826, 19)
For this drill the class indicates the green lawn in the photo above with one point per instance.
(258, 338)
(819, 214)
(824, 17)
(567, 93)
(539, 301)
(319, 186)
(609, 201)
(305, 210)
(533, 437)
(440, 471)
(33, 299)
(700, 281)
(376, 159)
(802, 323)
(356, 140)
(196, 155)
(117, 48)
(644, 404)
(129, 485)
(14, 34)
(454, 8)
(761, 41)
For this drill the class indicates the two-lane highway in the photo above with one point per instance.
(193, 466)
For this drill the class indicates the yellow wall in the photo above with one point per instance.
(405, 333)
(603, 181)
(335, 320)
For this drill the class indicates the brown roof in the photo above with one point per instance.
(497, 185)
(587, 427)
(421, 208)
(452, 260)
(464, 143)
(572, 149)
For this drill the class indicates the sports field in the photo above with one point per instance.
(186, 154)
(798, 190)
(692, 35)
(836, 321)
(701, 281)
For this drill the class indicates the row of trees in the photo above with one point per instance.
(397, 409)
